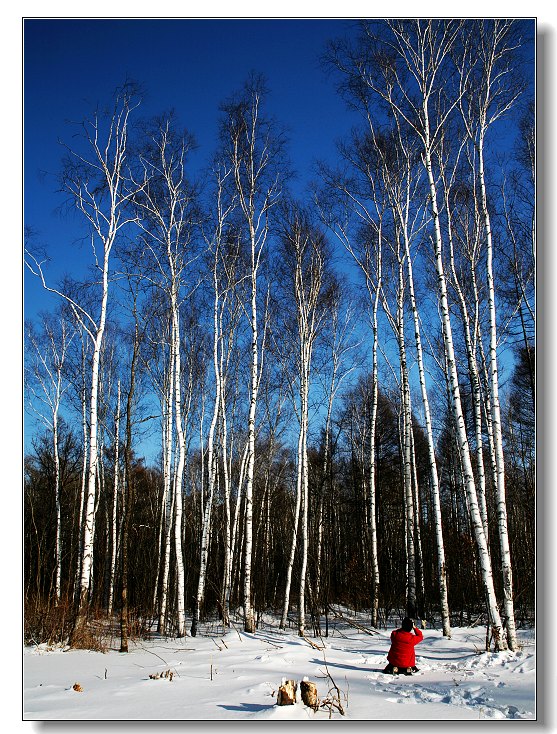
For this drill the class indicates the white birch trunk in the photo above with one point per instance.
(168, 520)
(304, 389)
(249, 620)
(297, 508)
(434, 477)
(477, 524)
(225, 597)
(411, 607)
(58, 579)
(473, 370)
(114, 514)
(307, 274)
(417, 515)
(90, 499)
(424, 48)
(167, 508)
(325, 470)
(405, 428)
(179, 476)
(372, 433)
(83, 471)
(44, 384)
(234, 531)
(494, 46)
(496, 417)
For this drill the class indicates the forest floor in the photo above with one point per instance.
(233, 675)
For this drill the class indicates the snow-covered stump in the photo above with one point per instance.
(287, 693)
(308, 691)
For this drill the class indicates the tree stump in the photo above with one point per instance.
(309, 694)
(287, 693)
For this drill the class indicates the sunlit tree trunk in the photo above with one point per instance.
(472, 336)
(83, 486)
(179, 475)
(406, 441)
(249, 619)
(229, 570)
(167, 503)
(296, 522)
(497, 427)
(114, 513)
(304, 387)
(225, 595)
(434, 477)
(374, 554)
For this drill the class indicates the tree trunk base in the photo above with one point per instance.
(249, 625)
(308, 691)
(287, 693)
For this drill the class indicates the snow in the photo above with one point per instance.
(233, 675)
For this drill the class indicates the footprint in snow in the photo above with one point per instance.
(475, 698)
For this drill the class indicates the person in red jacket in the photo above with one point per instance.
(402, 656)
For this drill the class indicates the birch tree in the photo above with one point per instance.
(518, 194)
(222, 281)
(397, 321)
(345, 198)
(402, 182)
(489, 96)
(406, 68)
(305, 260)
(46, 384)
(339, 358)
(115, 502)
(255, 154)
(424, 48)
(230, 395)
(129, 496)
(160, 369)
(167, 203)
(97, 182)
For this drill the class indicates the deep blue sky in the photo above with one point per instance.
(189, 65)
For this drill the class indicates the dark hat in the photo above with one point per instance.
(407, 624)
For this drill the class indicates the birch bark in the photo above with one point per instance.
(115, 498)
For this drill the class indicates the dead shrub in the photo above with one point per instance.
(47, 622)
(90, 636)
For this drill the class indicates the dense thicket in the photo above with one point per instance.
(319, 440)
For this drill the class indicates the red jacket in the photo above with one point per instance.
(402, 652)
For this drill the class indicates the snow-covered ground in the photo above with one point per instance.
(234, 675)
